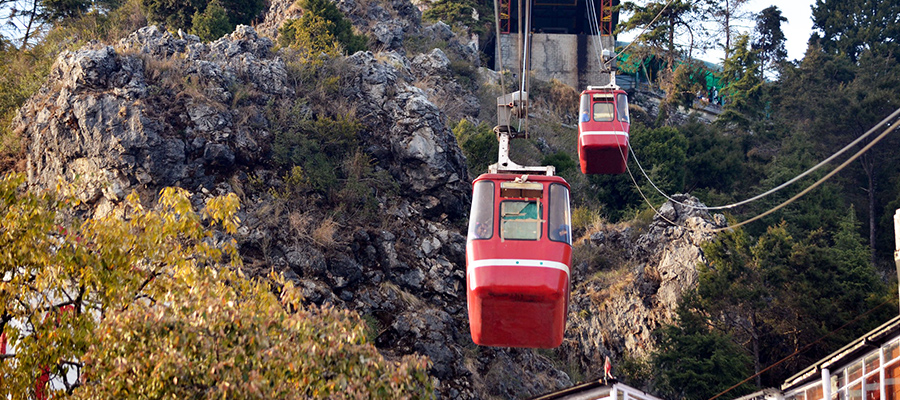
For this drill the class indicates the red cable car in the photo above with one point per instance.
(603, 130)
(518, 260)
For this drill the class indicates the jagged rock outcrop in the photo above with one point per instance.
(395, 27)
(617, 303)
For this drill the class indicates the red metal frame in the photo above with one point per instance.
(505, 8)
(606, 17)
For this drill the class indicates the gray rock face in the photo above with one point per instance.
(615, 313)
(404, 124)
(388, 22)
(103, 119)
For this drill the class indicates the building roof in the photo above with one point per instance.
(846, 354)
(597, 389)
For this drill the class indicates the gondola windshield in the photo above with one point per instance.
(560, 216)
(481, 222)
(622, 105)
(603, 112)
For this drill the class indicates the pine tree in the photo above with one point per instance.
(743, 79)
(850, 27)
(322, 29)
(769, 43)
(694, 362)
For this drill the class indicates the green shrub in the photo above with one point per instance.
(461, 13)
(212, 23)
(177, 14)
(312, 36)
(479, 145)
(584, 218)
(21, 74)
(318, 146)
(562, 161)
(465, 73)
(321, 29)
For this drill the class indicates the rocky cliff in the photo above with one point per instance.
(635, 282)
(158, 109)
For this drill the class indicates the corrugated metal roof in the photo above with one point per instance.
(844, 355)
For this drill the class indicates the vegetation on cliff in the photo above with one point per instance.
(765, 291)
(154, 305)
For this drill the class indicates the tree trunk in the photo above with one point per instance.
(31, 17)
(727, 28)
(672, 44)
(756, 365)
(869, 167)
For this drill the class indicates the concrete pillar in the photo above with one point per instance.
(571, 59)
(826, 384)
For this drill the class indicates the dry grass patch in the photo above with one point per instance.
(607, 285)
(409, 299)
(299, 224)
(323, 235)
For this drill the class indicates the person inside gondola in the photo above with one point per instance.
(483, 229)
(561, 233)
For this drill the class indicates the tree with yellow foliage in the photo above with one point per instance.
(154, 305)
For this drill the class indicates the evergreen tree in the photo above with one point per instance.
(243, 12)
(662, 155)
(321, 29)
(462, 13)
(694, 362)
(714, 161)
(174, 14)
(835, 100)
(179, 14)
(57, 10)
(769, 43)
(850, 27)
(778, 294)
(743, 79)
(311, 35)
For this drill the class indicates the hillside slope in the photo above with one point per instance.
(377, 225)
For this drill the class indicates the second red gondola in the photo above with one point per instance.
(603, 128)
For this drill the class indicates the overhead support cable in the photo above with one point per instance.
(862, 137)
(498, 54)
(525, 62)
(889, 120)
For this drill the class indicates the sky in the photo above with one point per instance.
(797, 29)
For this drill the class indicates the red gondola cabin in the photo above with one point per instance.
(603, 130)
(518, 259)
